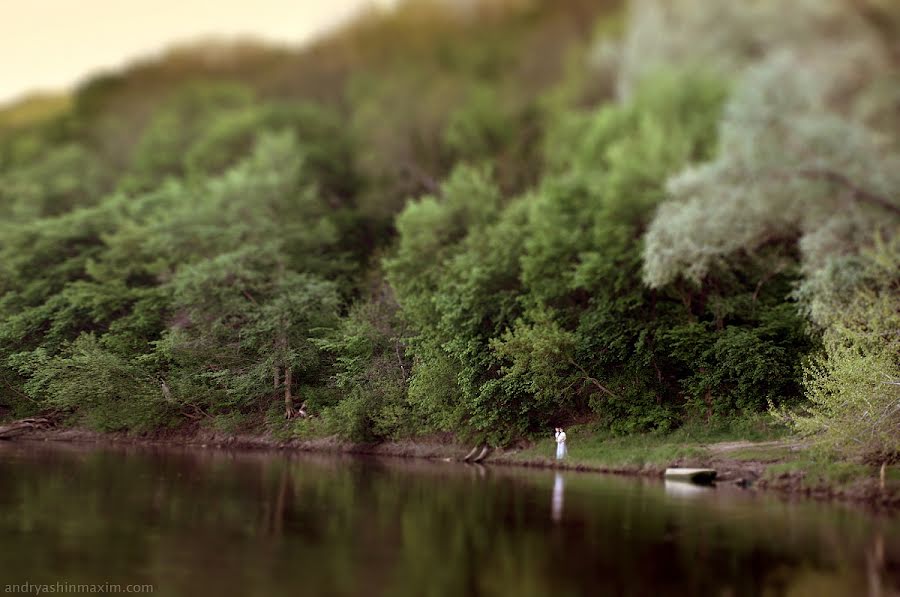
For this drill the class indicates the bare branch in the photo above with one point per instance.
(593, 380)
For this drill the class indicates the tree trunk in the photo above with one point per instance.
(709, 405)
(288, 397)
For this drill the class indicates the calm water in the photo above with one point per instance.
(205, 522)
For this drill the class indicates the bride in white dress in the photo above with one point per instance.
(560, 443)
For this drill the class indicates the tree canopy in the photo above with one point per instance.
(484, 221)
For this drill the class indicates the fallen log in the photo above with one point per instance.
(484, 452)
(471, 454)
(21, 426)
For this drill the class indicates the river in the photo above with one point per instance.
(212, 522)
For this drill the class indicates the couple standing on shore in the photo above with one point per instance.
(560, 443)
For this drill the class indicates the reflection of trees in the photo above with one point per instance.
(882, 574)
(208, 521)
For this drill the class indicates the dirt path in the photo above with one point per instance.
(725, 447)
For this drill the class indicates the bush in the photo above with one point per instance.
(854, 385)
(109, 392)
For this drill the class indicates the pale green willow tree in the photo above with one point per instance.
(838, 40)
(788, 167)
(798, 172)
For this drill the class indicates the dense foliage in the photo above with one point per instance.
(480, 220)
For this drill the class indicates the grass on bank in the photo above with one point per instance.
(784, 460)
(817, 471)
(635, 451)
(590, 445)
(700, 443)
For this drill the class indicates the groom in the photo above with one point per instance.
(560, 443)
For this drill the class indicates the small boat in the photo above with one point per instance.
(701, 476)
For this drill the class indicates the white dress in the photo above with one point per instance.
(560, 445)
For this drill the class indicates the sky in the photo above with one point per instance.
(51, 45)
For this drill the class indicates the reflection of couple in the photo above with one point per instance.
(556, 503)
(560, 443)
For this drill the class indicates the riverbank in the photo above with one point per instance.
(785, 467)
(779, 466)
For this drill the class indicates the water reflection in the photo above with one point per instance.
(876, 571)
(197, 522)
(478, 469)
(685, 489)
(556, 505)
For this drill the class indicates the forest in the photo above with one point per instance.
(477, 218)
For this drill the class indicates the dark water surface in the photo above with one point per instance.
(208, 522)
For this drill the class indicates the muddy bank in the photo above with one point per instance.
(434, 447)
(748, 475)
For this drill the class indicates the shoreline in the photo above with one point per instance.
(740, 474)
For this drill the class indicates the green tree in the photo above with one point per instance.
(245, 326)
(854, 385)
